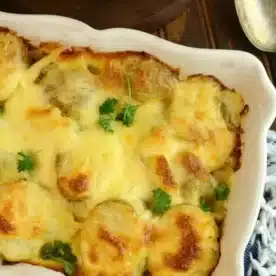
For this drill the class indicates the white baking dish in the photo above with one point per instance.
(235, 69)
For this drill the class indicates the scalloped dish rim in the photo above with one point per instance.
(236, 69)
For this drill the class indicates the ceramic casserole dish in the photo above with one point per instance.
(236, 69)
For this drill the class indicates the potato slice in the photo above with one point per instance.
(112, 241)
(148, 77)
(84, 171)
(13, 62)
(184, 242)
(29, 217)
(70, 79)
(207, 114)
(67, 84)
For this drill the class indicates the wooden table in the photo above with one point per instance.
(214, 24)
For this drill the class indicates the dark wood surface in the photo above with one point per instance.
(196, 23)
(101, 14)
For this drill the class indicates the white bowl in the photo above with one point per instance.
(235, 69)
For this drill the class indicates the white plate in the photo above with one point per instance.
(235, 69)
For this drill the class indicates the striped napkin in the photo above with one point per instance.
(260, 254)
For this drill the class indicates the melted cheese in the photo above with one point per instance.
(182, 132)
(112, 241)
(28, 114)
(29, 217)
(197, 117)
(184, 243)
(13, 61)
(111, 171)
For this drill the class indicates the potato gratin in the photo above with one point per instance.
(112, 163)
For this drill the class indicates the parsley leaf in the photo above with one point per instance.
(126, 116)
(25, 162)
(204, 205)
(222, 192)
(107, 111)
(161, 201)
(60, 252)
(105, 122)
(108, 106)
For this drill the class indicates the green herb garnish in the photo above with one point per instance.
(161, 201)
(222, 192)
(60, 252)
(126, 116)
(25, 162)
(204, 205)
(108, 106)
(107, 111)
(105, 122)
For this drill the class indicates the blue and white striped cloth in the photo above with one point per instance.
(260, 254)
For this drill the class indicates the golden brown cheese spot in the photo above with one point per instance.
(199, 115)
(93, 257)
(163, 170)
(36, 112)
(114, 241)
(7, 209)
(141, 78)
(46, 119)
(149, 77)
(189, 245)
(156, 143)
(5, 226)
(28, 215)
(156, 235)
(48, 47)
(74, 188)
(160, 173)
(7, 216)
(185, 243)
(194, 166)
(79, 184)
(115, 235)
(159, 132)
(112, 77)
